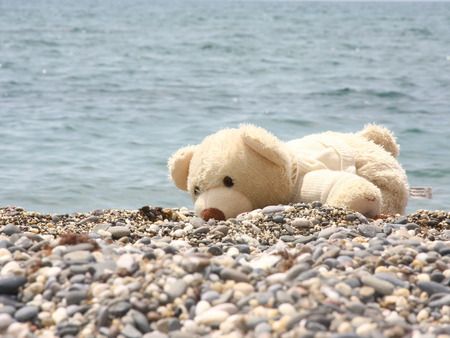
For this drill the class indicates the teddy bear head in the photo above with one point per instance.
(234, 171)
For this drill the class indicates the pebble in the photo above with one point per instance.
(298, 270)
(119, 231)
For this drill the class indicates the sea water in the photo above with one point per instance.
(96, 95)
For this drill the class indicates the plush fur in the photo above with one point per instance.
(238, 170)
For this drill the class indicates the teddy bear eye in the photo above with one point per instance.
(228, 181)
(196, 191)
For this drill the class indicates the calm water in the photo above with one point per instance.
(96, 95)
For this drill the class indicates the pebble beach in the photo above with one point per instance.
(303, 270)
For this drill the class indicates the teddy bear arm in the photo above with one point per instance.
(342, 189)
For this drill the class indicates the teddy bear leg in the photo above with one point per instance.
(358, 194)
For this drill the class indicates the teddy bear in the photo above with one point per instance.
(240, 169)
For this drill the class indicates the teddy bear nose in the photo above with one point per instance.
(209, 213)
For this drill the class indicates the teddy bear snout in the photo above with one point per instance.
(210, 213)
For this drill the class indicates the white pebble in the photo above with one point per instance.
(12, 268)
(59, 315)
(232, 252)
(5, 255)
(126, 261)
(366, 328)
(19, 330)
(211, 316)
(287, 309)
(202, 307)
(53, 271)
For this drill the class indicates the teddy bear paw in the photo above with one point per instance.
(359, 195)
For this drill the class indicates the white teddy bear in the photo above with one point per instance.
(238, 170)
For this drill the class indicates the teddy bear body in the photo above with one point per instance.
(238, 170)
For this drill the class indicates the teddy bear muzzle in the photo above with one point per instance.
(215, 213)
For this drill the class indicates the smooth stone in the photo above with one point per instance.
(140, 321)
(445, 300)
(431, 287)
(5, 321)
(243, 248)
(196, 222)
(10, 229)
(9, 285)
(66, 329)
(381, 286)
(233, 274)
(119, 309)
(9, 309)
(297, 269)
(75, 297)
(401, 220)
(100, 226)
(391, 279)
(215, 250)
(90, 219)
(26, 313)
(279, 219)
(77, 256)
(119, 231)
(368, 230)
(326, 233)
(210, 296)
(287, 238)
(353, 282)
(301, 223)
(177, 289)
(167, 325)
(201, 230)
(129, 331)
(211, 317)
(271, 209)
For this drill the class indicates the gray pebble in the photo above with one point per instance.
(119, 231)
(119, 308)
(27, 313)
(445, 300)
(140, 321)
(10, 229)
(287, 238)
(9, 285)
(431, 287)
(302, 223)
(233, 274)
(75, 296)
(368, 230)
(5, 320)
(197, 222)
(392, 279)
(294, 271)
(327, 232)
(210, 296)
(177, 289)
(243, 248)
(129, 331)
(272, 209)
(167, 325)
(201, 230)
(278, 219)
(90, 219)
(381, 286)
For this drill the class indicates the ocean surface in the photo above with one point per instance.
(96, 95)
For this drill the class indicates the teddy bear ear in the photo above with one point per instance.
(264, 143)
(179, 166)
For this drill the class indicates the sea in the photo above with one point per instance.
(95, 95)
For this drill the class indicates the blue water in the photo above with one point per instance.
(96, 95)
